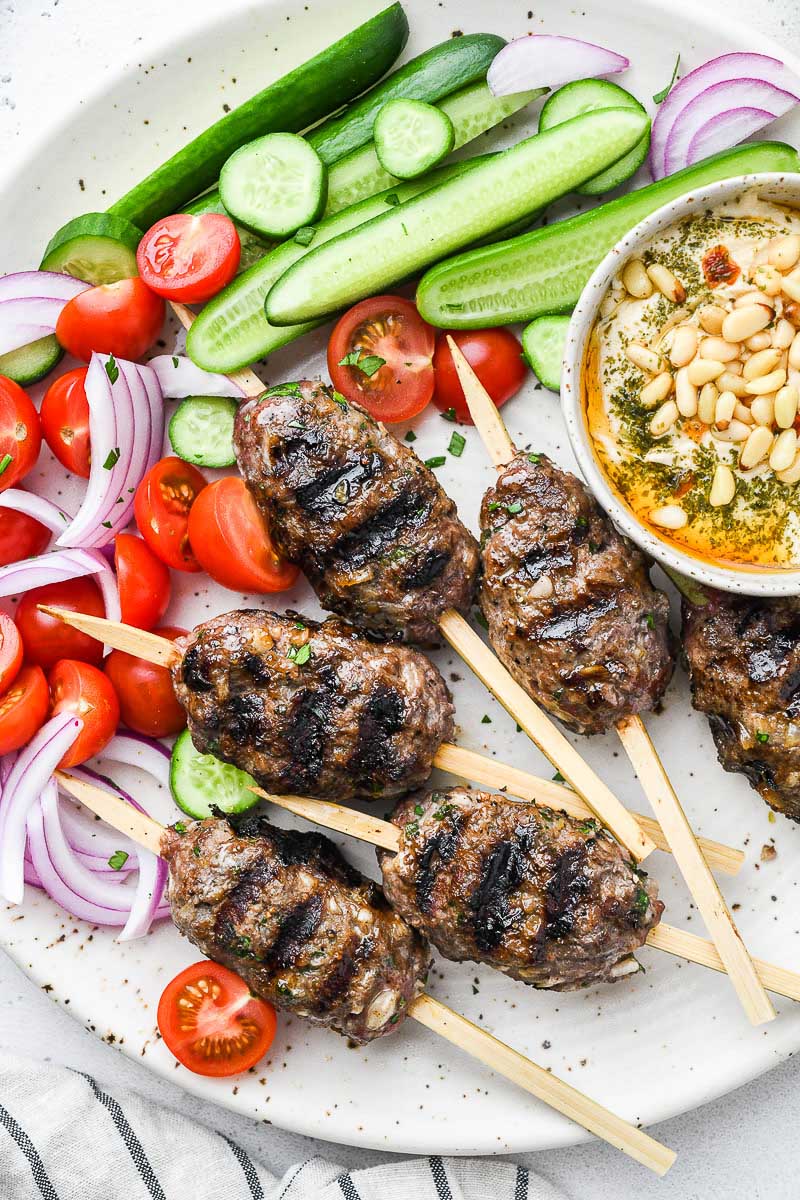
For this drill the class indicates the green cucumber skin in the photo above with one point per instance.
(595, 94)
(545, 271)
(292, 103)
(412, 164)
(253, 246)
(232, 330)
(31, 363)
(247, 165)
(436, 73)
(114, 237)
(195, 802)
(543, 344)
(453, 215)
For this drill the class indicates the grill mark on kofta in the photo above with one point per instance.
(327, 494)
(439, 849)
(565, 887)
(195, 670)
(502, 872)
(382, 715)
(338, 980)
(244, 717)
(577, 622)
(381, 530)
(298, 927)
(239, 901)
(540, 560)
(308, 729)
(424, 572)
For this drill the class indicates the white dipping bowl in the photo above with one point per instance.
(750, 580)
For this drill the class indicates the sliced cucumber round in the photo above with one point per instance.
(588, 95)
(543, 343)
(411, 137)
(31, 363)
(275, 185)
(201, 431)
(199, 780)
(97, 247)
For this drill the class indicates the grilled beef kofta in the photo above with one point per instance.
(541, 897)
(377, 537)
(743, 657)
(312, 707)
(570, 607)
(301, 926)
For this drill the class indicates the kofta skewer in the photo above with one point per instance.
(297, 890)
(398, 748)
(637, 744)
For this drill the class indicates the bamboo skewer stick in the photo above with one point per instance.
(436, 1016)
(453, 759)
(528, 715)
(645, 761)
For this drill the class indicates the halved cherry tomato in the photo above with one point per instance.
(212, 1023)
(23, 709)
(79, 688)
(65, 421)
(147, 699)
(389, 329)
(45, 638)
(10, 652)
(495, 356)
(143, 582)
(122, 318)
(189, 258)
(232, 543)
(20, 433)
(20, 536)
(161, 507)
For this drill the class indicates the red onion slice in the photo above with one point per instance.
(136, 750)
(55, 567)
(725, 130)
(21, 284)
(546, 59)
(179, 377)
(739, 65)
(19, 317)
(43, 511)
(156, 401)
(91, 885)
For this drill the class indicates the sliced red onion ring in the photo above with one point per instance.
(740, 65)
(21, 284)
(91, 885)
(726, 129)
(26, 320)
(546, 59)
(180, 377)
(720, 98)
(136, 750)
(30, 773)
(156, 401)
(43, 511)
(55, 567)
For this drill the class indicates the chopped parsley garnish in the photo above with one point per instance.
(412, 828)
(581, 522)
(410, 435)
(299, 655)
(392, 199)
(419, 810)
(641, 902)
(650, 621)
(437, 461)
(486, 719)
(179, 827)
(370, 364)
(106, 524)
(111, 459)
(112, 370)
(196, 851)
(339, 399)
(284, 389)
(457, 444)
(444, 811)
(305, 235)
(5, 463)
(512, 509)
(559, 778)
(118, 860)
(481, 619)
(534, 458)
(176, 362)
(449, 414)
(762, 737)
(661, 96)
(299, 624)
(283, 990)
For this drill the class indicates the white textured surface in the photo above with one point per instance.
(51, 51)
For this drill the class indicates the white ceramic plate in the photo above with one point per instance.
(651, 1047)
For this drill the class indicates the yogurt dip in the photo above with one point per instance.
(692, 384)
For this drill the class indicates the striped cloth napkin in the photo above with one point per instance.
(64, 1136)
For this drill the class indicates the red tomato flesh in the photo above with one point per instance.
(390, 329)
(45, 638)
(147, 699)
(20, 433)
(189, 258)
(232, 543)
(212, 1024)
(79, 688)
(23, 709)
(20, 536)
(495, 356)
(10, 652)
(143, 582)
(65, 421)
(161, 507)
(123, 319)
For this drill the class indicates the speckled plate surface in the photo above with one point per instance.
(656, 1045)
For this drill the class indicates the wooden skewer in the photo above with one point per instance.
(453, 759)
(645, 761)
(528, 715)
(664, 937)
(435, 1015)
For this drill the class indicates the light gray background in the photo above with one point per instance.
(745, 1145)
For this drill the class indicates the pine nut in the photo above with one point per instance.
(670, 516)
(794, 353)
(767, 383)
(736, 431)
(542, 588)
(762, 410)
(664, 418)
(723, 486)
(646, 360)
(704, 370)
(761, 363)
(742, 413)
(767, 279)
(756, 448)
(754, 297)
(718, 348)
(729, 381)
(742, 323)
(685, 393)
(759, 341)
(791, 312)
(636, 279)
(711, 317)
(792, 475)
(783, 252)
(735, 367)
(791, 286)
(684, 346)
(723, 413)
(667, 283)
(782, 454)
(707, 403)
(782, 334)
(656, 390)
(786, 403)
